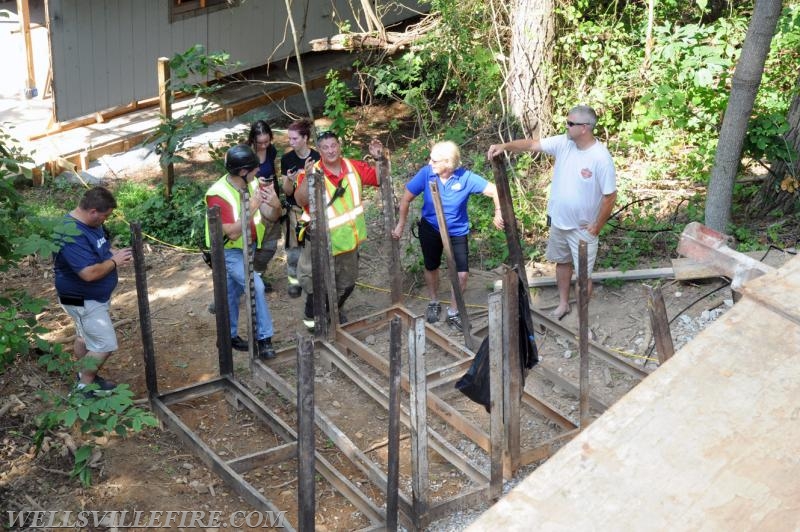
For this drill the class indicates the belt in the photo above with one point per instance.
(70, 300)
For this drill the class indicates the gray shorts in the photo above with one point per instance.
(562, 247)
(93, 324)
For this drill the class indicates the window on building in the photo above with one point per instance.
(181, 9)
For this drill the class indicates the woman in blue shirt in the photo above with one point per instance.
(456, 185)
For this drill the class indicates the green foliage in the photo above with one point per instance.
(337, 105)
(217, 152)
(188, 71)
(113, 413)
(180, 221)
(22, 234)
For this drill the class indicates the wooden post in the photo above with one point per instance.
(389, 221)
(512, 369)
(25, 30)
(220, 277)
(515, 257)
(659, 323)
(165, 106)
(305, 434)
(452, 269)
(496, 429)
(247, 263)
(393, 448)
(324, 277)
(419, 421)
(145, 325)
(583, 332)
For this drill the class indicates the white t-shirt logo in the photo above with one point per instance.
(586, 173)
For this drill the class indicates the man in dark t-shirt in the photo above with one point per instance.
(85, 276)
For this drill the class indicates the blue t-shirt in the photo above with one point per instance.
(77, 252)
(454, 193)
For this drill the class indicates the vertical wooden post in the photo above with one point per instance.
(324, 276)
(512, 369)
(220, 277)
(583, 332)
(393, 448)
(452, 270)
(419, 421)
(25, 29)
(165, 106)
(305, 434)
(249, 279)
(515, 258)
(496, 428)
(389, 221)
(145, 325)
(659, 323)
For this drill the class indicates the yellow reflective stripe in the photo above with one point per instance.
(349, 216)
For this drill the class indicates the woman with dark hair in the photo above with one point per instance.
(293, 161)
(260, 139)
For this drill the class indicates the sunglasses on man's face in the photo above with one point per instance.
(570, 123)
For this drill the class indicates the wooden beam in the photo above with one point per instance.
(659, 323)
(583, 333)
(25, 28)
(305, 434)
(420, 485)
(512, 370)
(452, 269)
(275, 455)
(165, 105)
(629, 275)
(389, 220)
(393, 448)
(496, 429)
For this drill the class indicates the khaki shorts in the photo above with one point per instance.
(93, 324)
(562, 247)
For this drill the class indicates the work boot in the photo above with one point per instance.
(294, 291)
(265, 349)
(240, 344)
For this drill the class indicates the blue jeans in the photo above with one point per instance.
(234, 264)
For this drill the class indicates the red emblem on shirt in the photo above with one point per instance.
(586, 173)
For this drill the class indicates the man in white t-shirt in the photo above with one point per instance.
(582, 194)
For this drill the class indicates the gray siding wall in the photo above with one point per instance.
(104, 52)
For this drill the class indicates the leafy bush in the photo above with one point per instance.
(179, 221)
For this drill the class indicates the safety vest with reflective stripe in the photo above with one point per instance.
(346, 223)
(232, 197)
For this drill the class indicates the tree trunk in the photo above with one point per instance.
(528, 82)
(746, 80)
(779, 190)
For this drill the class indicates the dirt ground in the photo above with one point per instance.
(153, 470)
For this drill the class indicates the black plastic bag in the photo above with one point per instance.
(475, 382)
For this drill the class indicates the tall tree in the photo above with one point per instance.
(780, 190)
(532, 35)
(744, 87)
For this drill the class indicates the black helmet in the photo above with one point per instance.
(240, 157)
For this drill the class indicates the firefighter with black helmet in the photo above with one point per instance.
(241, 164)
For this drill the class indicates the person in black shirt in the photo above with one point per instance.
(293, 161)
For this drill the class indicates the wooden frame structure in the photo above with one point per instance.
(230, 471)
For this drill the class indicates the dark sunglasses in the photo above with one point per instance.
(327, 135)
(570, 124)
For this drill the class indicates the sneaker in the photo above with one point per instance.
(295, 291)
(239, 344)
(265, 349)
(454, 321)
(101, 388)
(433, 311)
